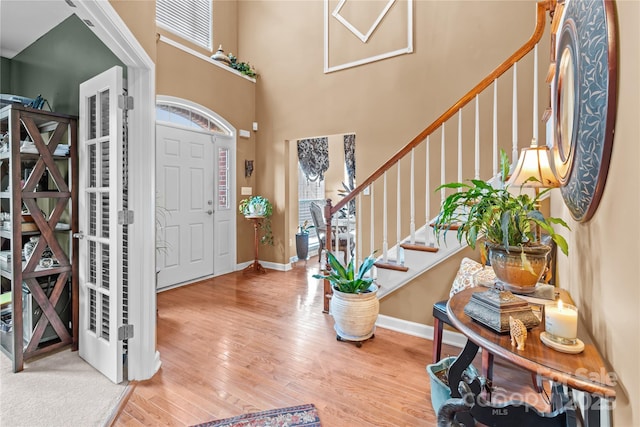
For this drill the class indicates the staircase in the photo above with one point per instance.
(396, 204)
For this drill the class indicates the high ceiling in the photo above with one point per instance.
(22, 22)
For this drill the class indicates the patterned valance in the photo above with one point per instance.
(313, 155)
(350, 158)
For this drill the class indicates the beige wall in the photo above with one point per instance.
(603, 266)
(185, 76)
(140, 17)
(232, 97)
(385, 103)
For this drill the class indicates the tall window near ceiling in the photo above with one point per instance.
(190, 19)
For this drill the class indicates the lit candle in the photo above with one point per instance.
(561, 321)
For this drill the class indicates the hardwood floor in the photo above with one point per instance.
(243, 343)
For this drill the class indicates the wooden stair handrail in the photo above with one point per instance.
(542, 7)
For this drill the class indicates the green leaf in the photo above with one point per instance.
(504, 166)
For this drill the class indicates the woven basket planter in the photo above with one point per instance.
(355, 315)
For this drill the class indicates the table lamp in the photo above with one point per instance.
(534, 162)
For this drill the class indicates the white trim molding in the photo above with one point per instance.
(364, 38)
(265, 264)
(143, 358)
(352, 28)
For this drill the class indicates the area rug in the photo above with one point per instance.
(294, 416)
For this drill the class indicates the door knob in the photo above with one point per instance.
(79, 235)
(210, 212)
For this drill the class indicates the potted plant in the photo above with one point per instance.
(259, 207)
(302, 240)
(354, 304)
(508, 223)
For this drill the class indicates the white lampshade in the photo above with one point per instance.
(533, 162)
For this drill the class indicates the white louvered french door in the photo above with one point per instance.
(100, 152)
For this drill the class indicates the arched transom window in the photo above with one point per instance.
(189, 117)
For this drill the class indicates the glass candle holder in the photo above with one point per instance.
(561, 323)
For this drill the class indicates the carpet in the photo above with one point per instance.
(56, 390)
(303, 415)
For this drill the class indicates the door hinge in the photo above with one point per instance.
(125, 217)
(125, 102)
(125, 332)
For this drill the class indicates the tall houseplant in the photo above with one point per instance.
(354, 304)
(509, 223)
(259, 207)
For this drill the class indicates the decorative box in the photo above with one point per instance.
(492, 309)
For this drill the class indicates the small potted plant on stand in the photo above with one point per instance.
(302, 241)
(259, 207)
(510, 225)
(354, 304)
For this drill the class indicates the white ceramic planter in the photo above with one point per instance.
(355, 315)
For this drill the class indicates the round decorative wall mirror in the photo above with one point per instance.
(584, 103)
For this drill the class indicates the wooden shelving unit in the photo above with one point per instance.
(37, 180)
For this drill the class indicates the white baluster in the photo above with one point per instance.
(514, 115)
(495, 128)
(412, 220)
(460, 147)
(535, 93)
(476, 173)
(359, 229)
(398, 212)
(427, 196)
(385, 244)
(372, 221)
(443, 176)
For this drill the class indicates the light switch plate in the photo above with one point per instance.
(245, 191)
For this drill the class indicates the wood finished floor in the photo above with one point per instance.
(243, 343)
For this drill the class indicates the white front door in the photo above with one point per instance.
(186, 205)
(100, 149)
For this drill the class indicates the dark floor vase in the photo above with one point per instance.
(302, 246)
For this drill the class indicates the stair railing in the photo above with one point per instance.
(367, 186)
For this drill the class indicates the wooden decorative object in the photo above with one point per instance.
(255, 265)
(518, 333)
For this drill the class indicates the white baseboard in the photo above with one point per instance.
(265, 264)
(455, 339)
